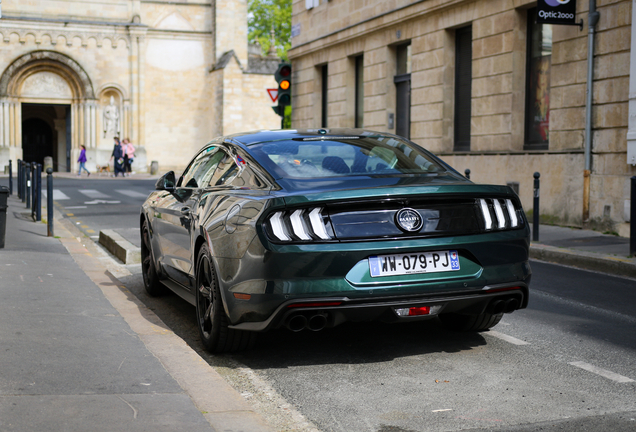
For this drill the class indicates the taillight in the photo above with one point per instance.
(499, 214)
(299, 225)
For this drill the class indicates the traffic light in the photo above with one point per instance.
(283, 78)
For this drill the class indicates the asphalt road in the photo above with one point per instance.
(567, 363)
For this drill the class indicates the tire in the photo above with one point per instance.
(151, 279)
(470, 323)
(212, 320)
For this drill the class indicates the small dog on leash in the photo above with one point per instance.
(103, 169)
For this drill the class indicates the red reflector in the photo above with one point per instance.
(242, 296)
(318, 304)
(423, 310)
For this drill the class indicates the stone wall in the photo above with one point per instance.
(336, 31)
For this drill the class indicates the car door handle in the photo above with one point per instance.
(185, 210)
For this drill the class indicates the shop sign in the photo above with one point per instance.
(556, 12)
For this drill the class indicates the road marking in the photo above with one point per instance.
(442, 410)
(93, 193)
(602, 372)
(57, 195)
(101, 202)
(504, 337)
(132, 194)
(74, 207)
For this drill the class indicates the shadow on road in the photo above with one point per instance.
(350, 343)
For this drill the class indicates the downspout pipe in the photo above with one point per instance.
(593, 17)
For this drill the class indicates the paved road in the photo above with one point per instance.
(96, 204)
(566, 363)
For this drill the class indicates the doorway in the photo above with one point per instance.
(46, 132)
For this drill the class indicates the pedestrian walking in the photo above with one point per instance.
(82, 162)
(129, 156)
(118, 156)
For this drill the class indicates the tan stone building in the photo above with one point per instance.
(482, 85)
(168, 74)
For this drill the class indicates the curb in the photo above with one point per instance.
(585, 260)
(118, 246)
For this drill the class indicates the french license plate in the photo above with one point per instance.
(419, 262)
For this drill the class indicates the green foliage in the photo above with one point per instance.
(287, 118)
(263, 15)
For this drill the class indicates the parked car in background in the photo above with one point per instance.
(308, 229)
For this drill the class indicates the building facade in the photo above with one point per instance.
(483, 85)
(168, 74)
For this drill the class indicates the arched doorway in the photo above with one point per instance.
(50, 109)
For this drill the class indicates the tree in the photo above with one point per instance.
(265, 15)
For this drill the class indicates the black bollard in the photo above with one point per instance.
(24, 183)
(632, 218)
(33, 188)
(19, 179)
(38, 209)
(467, 173)
(49, 202)
(535, 210)
(10, 177)
(27, 173)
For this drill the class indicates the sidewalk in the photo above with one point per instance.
(585, 249)
(81, 353)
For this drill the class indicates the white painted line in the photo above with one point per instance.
(93, 193)
(57, 195)
(97, 201)
(504, 337)
(442, 410)
(132, 194)
(602, 372)
(75, 207)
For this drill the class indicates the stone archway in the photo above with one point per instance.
(47, 79)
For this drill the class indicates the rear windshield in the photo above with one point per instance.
(331, 157)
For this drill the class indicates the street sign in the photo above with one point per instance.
(273, 94)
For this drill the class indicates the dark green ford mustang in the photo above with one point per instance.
(307, 229)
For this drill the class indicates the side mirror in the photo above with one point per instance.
(166, 182)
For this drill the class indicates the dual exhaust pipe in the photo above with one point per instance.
(503, 306)
(299, 322)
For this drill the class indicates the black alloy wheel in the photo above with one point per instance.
(148, 270)
(211, 318)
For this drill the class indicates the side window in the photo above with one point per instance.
(226, 170)
(203, 165)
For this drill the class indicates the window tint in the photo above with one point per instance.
(202, 166)
(226, 170)
(377, 155)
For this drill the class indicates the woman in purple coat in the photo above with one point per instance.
(82, 161)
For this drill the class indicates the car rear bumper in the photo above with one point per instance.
(318, 313)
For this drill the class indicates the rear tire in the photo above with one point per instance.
(151, 279)
(470, 323)
(212, 320)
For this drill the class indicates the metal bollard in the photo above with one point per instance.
(535, 210)
(632, 218)
(19, 179)
(38, 209)
(33, 188)
(49, 202)
(24, 183)
(10, 177)
(467, 173)
(27, 173)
